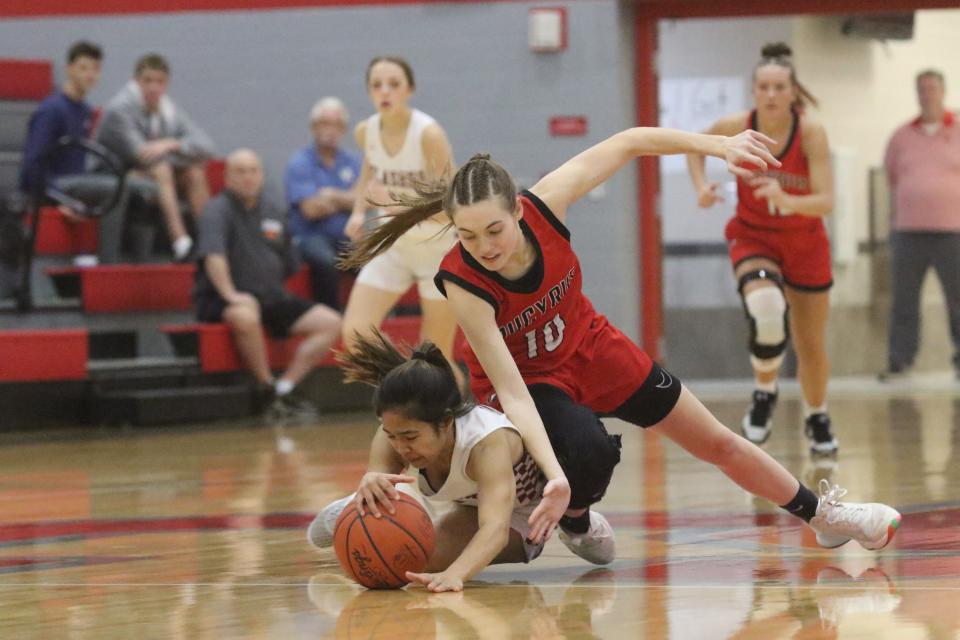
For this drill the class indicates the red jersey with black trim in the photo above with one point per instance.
(542, 316)
(794, 178)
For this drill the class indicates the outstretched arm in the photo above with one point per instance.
(490, 465)
(707, 194)
(479, 325)
(582, 173)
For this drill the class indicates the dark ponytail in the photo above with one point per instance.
(420, 386)
(780, 54)
(479, 179)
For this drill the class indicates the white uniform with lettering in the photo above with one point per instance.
(416, 256)
(472, 428)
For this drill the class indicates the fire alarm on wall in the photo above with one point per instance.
(547, 29)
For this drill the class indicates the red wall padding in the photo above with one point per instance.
(25, 79)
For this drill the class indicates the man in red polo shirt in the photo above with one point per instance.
(923, 169)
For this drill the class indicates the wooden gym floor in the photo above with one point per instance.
(199, 533)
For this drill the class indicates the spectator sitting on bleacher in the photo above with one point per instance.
(150, 133)
(245, 257)
(66, 113)
(319, 182)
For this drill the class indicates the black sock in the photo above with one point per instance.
(803, 505)
(576, 524)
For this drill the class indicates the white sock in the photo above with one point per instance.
(182, 246)
(769, 387)
(283, 387)
(809, 411)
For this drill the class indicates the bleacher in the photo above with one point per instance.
(118, 343)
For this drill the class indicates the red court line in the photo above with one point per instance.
(126, 526)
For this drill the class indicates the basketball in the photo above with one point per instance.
(377, 552)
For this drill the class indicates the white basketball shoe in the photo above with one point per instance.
(320, 531)
(597, 545)
(872, 525)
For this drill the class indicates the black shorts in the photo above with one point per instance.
(653, 401)
(277, 317)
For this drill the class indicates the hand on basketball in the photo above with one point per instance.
(749, 148)
(437, 582)
(544, 519)
(708, 196)
(379, 487)
(769, 189)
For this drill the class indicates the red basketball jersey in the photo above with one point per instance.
(544, 315)
(794, 178)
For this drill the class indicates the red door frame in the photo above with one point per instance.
(647, 16)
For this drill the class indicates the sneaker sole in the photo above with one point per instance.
(820, 450)
(743, 432)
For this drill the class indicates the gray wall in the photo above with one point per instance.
(250, 78)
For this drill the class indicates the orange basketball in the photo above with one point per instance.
(377, 552)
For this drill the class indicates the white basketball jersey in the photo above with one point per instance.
(458, 487)
(402, 171)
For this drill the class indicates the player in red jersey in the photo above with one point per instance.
(514, 283)
(779, 248)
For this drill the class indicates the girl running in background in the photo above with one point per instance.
(402, 147)
(779, 247)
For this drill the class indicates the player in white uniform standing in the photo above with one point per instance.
(402, 147)
(459, 453)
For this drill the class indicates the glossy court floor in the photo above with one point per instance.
(199, 533)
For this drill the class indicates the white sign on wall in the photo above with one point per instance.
(693, 104)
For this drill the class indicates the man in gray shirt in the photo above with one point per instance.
(243, 249)
(150, 133)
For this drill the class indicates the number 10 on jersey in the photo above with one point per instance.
(552, 337)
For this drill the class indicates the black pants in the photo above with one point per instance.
(914, 253)
(586, 452)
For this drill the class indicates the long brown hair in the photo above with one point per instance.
(420, 385)
(479, 179)
(780, 54)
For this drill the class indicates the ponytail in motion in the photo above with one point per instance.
(420, 386)
(479, 179)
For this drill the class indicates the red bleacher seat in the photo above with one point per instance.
(132, 287)
(217, 353)
(143, 287)
(25, 79)
(58, 236)
(43, 354)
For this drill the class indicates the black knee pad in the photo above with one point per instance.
(586, 452)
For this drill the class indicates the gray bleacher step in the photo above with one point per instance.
(48, 304)
(158, 366)
(174, 405)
